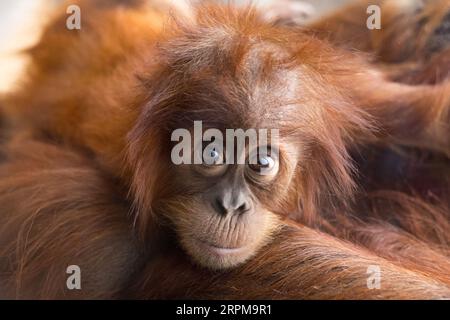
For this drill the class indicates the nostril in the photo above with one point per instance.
(220, 207)
(226, 205)
(243, 208)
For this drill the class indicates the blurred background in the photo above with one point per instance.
(22, 20)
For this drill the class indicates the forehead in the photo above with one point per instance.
(252, 84)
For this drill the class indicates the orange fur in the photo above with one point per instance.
(98, 107)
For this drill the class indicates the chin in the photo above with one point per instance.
(219, 257)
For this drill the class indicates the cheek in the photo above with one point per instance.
(278, 196)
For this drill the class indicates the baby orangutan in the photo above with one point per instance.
(89, 176)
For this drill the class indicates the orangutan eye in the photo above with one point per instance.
(213, 157)
(263, 163)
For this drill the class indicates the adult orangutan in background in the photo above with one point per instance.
(87, 177)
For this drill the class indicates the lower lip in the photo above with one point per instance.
(220, 250)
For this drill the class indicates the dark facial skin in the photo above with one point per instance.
(225, 214)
